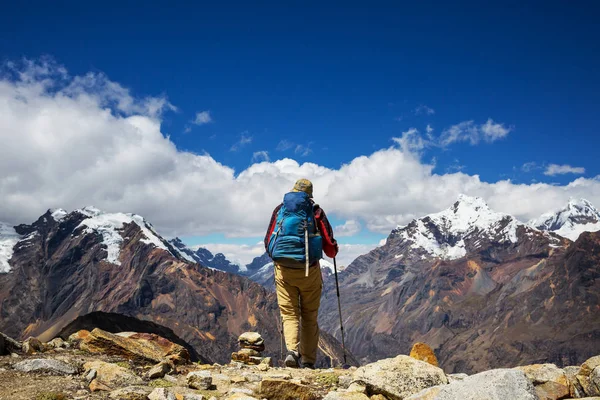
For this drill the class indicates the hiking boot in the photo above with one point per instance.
(308, 365)
(292, 359)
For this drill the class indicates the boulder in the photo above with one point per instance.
(57, 343)
(54, 367)
(423, 352)
(32, 345)
(346, 396)
(189, 396)
(249, 352)
(456, 377)
(239, 396)
(575, 389)
(251, 338)
(10, 345)
(98, 386)
(131, 393)
(550, 382)
(201, 380)
(585, 376)
(497, 384)
(139, 347)
(279, 389)
(161, 394)
(159, 370)
(112, 375)
(399, 377)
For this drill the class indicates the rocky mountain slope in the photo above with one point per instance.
(479, 286)
(68, 265)
(571, 221)
(204, 257)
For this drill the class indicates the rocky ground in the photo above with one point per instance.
(131, 366)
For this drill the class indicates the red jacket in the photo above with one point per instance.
(330, 246)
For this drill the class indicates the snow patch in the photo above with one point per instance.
(109, 226)
(59, 214)
(8, 239)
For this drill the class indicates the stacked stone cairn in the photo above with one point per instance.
(251, 347)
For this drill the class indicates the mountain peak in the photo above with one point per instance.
(470, 202)
(579, 215)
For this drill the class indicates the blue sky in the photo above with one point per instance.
(328, 82)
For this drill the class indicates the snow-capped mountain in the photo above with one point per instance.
(8, 239)
(469, 280)
(464, 227)
(205, 258)
(578, 216)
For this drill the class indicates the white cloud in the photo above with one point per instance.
(529, 166)
(245, 139)
(412, 141)
(69, 143)
(492, 131)
(303, 150)
(424, 110)
(468, 131)
(260, 156)
(202, 118)
(284, 145)
(555, 169)
(350, 228)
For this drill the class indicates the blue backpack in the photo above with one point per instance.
(295, 233)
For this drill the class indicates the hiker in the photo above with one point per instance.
(298, 234)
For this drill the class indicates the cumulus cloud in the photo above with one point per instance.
(260, 156)
(75, 141)
(468, 131)
(349, 228)
(555, 169)
(202, 118)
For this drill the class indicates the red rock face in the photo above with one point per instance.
(60, 273)
(504, 304)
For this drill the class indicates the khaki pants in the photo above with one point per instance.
(299, 298)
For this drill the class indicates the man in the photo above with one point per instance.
(298, 234)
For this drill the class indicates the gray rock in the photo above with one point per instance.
(496, 384)
(91, 375)
(14, 355)
(46, 365)
(344, 381)
(456, 377)
(201, 380)
(58, 343)
(279, 375)
(357, 387)
(10, 345)
(595, 378)
(346, 396)
(399, 377)
(193, 396)
(170, 378)
(131, 393)
(250, 377)
(161, 394)
(242, 390)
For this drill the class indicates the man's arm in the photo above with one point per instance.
(271, 226)
(330, 246)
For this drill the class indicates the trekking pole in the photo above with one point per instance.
(337, 288)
